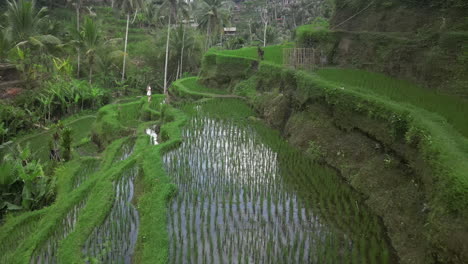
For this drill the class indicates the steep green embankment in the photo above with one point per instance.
(409, 161)
(423, 41)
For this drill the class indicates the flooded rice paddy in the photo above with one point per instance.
(126, 150)
(47, 253)
(114, 240)
(88, 168)
(240, 201)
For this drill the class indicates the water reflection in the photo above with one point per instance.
(114, 241)
(153, 135)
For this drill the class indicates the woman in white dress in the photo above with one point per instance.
(148, 93)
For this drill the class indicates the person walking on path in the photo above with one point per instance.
(148, 93)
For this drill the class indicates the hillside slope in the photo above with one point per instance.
(422, 41)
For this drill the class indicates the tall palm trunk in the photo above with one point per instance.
(90, 73)
(78, 31)
(250, 30)
(182, 53)
(264, 34)
(167, 54)
(208, 36)
(125, 48)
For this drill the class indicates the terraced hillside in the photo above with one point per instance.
(96, 217)
(403, 150)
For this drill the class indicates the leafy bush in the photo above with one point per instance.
(23, 185)
(313, 34)
(14, 119)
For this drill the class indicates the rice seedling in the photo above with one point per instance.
(12, 239)
(126, 150)
(47, 252)
(244, 201)
(114, 240)
(88, 168)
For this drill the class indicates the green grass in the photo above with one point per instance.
(273, 54)
(38, 143)
(311, 35)
(190, 87)
(193, 85)
(455, 110)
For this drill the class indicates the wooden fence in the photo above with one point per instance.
(303, 58)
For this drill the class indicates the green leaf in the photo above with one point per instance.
(26, 197)
(7, 174)
(12, 207)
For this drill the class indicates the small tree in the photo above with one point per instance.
(66, 143)
(92, 41)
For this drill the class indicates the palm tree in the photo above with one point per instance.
(24, 24)
(128, 7)
(24, 29)
(78, 4)
(5, 45)
(91, 41)
(185, 46)
(186, 15)
(265, 18)
(212, 16)
(23, 19)
(173, 6)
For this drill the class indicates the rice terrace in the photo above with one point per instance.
(234, 131)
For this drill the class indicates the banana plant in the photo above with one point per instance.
(3, 131)
(45, 104)
(63, 66)
(23, 184)
(96, 93)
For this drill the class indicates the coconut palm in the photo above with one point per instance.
(78, 4)
(24, 20)
(128, 7)
(212, 16)
(187, 15)
(91, 42)
(24, 23)
(172, 7)
(24, 31)
(186, 48)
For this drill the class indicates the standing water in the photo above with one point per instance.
(114, 241)
(241, 202)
